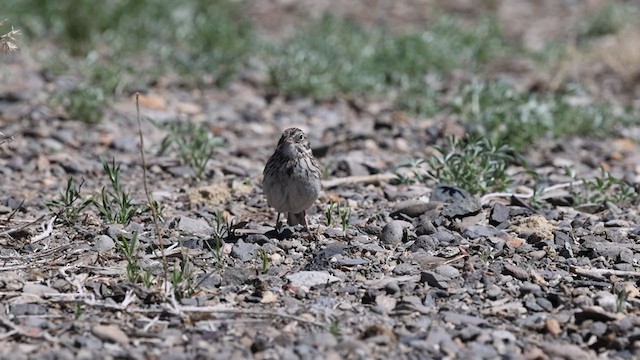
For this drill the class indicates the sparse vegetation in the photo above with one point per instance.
(115, 203)
(476, 165)
(518, 119)
(194, 144)
(70, 203)
(601, 190)
(338, 56)
(128, 249)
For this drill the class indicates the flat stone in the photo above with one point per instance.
(516, 271)
(499, 215)
(477, 231)
(28, 309)
(462, 319)
(413, 208)
(110, 333)
(235, 275)
(447, 271)
(38, 289)
(194, 226)
(434, 279)
(462, 208)
(244, 251)
(311, 278)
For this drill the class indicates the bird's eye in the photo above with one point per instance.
(300, 137)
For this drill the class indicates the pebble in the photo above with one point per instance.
(516, 271)
(244, 251)
(194, 226)
(110, 333)
(311, 278)
(393, 233)
(499, 216)
(102, 243)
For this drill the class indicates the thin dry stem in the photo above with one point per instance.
(154, 210)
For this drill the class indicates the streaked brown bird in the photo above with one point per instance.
(292, 178)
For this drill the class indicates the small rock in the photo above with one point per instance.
(499, 215)
(425, 226)
(37, 289)
(386, 302)
(103, 243)
(462, 208)
(493, 291)
(244, 251)
(235, 275)
(553, 326)
(516, 271)
(28, 309)
(194, 226)
(476, 231)
(311, 278)
(447, 271)
(462, 319)
(125, 143)
(259, 239)
(434, 279)
(406, 269)
(392, 288)
(110, 333)
(393, 233)
(424, 243)
(413, 208)
(445, 237)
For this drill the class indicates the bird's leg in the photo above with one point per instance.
(304, 220)
(278, 223)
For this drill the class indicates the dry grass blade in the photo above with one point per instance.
(8, 40)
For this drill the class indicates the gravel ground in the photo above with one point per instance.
(418, 271)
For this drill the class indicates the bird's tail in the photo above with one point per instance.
(295, 219)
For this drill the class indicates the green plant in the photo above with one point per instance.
(147, 278)
(115, 204)
(328, 213)
(601, 189)
(338, 56)
(183, 279)
(222, 229)
(476, 165)
(621, 301)
(78, 311)
(264, 257)
(193, 143)
(69, 204)
(128, 248)
(507, 116)
(84, 103)
(334, 328)
(609, 19)
(486, 253)
(344, 214)
(344, 211)
(419, 174)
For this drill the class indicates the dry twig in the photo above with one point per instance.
(602, 274)
(366, 179)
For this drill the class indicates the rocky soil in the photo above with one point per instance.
(410, 272)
